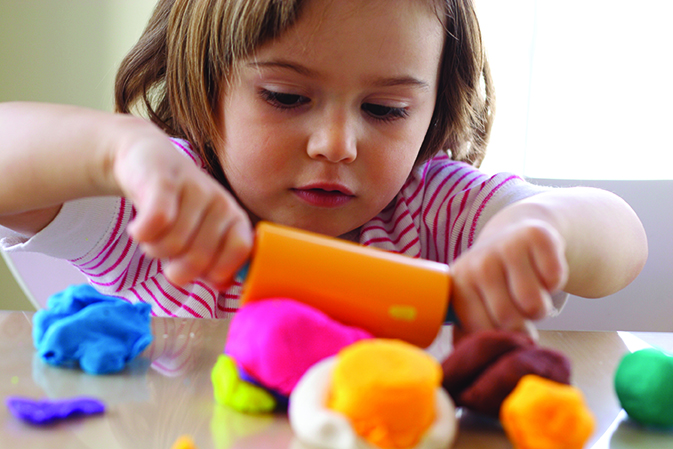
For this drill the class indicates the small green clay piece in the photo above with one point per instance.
(644, 386)
(231, 390)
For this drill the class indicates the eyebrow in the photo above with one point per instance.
(379, 82)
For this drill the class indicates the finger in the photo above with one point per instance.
(467, 302)
(549, 261)
(233, 254)
(495, 295)
(528, 294)
(195, 204)
(208, 238)
(156, 211)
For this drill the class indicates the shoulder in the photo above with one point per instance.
(441, 207)
(441, 178)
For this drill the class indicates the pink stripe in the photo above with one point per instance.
(185, 150)
(423, 181)
(451, 223)
(165, 369)
(430, 205)
(459, 239)
(450, 219)
(175, 300)
(401, 235)
(138, 267)
(113, 236)
(107, 284)
(193, 295)
(377, 240)
(470, 194)
(372, 227)
(191, 154)
(409, 245)
(210, 290)
(421, 184)
(122, 283)
(227, 309)
(456, 249)
(401, 217)
(470, 239)
(156, 301)
(438, 190)
(119, 260)
(149, 268)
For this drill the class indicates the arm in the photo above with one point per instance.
(50, 154)
(584, 241)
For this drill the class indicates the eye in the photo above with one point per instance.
(384, 113)
(283, 100)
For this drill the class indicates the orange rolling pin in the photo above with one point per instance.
(388, 294)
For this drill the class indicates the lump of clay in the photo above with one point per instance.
(381, 393)
(48, 411)
(231, 390)
(644, 386)
(485, 367)
(543, 414)
(99, 333)
(275, 341)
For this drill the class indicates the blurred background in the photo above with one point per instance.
(583, 98)
(63, 52)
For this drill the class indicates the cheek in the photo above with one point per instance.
(395, 158)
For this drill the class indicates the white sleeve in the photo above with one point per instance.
(77, 229)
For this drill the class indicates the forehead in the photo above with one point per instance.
(370, 35)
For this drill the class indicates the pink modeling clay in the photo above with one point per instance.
(276, 340)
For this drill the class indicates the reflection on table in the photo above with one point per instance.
(167, 392)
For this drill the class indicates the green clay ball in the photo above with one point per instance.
(644, 386)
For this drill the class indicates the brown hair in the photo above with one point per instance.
(179, 68)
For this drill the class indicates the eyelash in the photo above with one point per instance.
(275, 99)
(390, 114)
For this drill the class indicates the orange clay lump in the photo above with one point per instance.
(543, 414)
(387, 390)
(644, 386)
(184, 442)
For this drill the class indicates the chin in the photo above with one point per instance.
(328, 226)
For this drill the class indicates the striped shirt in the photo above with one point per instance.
(437, 215)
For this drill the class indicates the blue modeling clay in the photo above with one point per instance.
(98, 332)
(46, 411)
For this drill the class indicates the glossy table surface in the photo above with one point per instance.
(167, 392)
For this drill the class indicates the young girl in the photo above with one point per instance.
(363, 119)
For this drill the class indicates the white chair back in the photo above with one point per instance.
(647, 303)
(40, 276)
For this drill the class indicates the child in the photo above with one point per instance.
(352, 118)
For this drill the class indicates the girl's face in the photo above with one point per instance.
(323, 125)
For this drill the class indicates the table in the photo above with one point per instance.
(167, 392)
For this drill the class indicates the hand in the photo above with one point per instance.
(183, 213)
(508, 276)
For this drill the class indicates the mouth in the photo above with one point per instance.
(324, 195)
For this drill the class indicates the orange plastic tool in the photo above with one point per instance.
(388, 294)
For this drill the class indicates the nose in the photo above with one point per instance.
(333, 139)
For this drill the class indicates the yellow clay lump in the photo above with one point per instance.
(387, 389)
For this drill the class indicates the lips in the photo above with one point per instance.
(323, 195)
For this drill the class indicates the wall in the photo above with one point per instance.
(63, 52)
